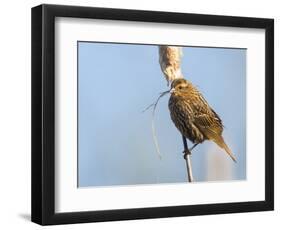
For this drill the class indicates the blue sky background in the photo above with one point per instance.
(117, 81)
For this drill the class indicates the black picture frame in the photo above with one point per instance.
(43, 114)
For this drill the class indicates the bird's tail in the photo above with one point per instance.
(220, 142)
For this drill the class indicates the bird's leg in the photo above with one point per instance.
(193, 147)
(186, 150)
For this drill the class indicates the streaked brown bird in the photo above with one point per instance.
(193, 116)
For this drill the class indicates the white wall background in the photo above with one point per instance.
(15, 114)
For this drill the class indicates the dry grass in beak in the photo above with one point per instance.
(154, 105)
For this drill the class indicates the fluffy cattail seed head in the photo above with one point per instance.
(170, 62)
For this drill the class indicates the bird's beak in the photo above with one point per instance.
(172, 90)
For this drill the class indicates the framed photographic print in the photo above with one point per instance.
(136, 114)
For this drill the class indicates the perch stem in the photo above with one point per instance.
(187, 157)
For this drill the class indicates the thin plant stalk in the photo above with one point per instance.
(187, 157)
(170, 63)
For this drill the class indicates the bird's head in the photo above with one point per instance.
(179, 86)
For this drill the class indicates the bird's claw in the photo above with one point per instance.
(185, 153)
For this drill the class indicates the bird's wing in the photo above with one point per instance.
(208, 124)
(212, 129)
(206, 119)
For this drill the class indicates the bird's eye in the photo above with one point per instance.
(180, 87)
